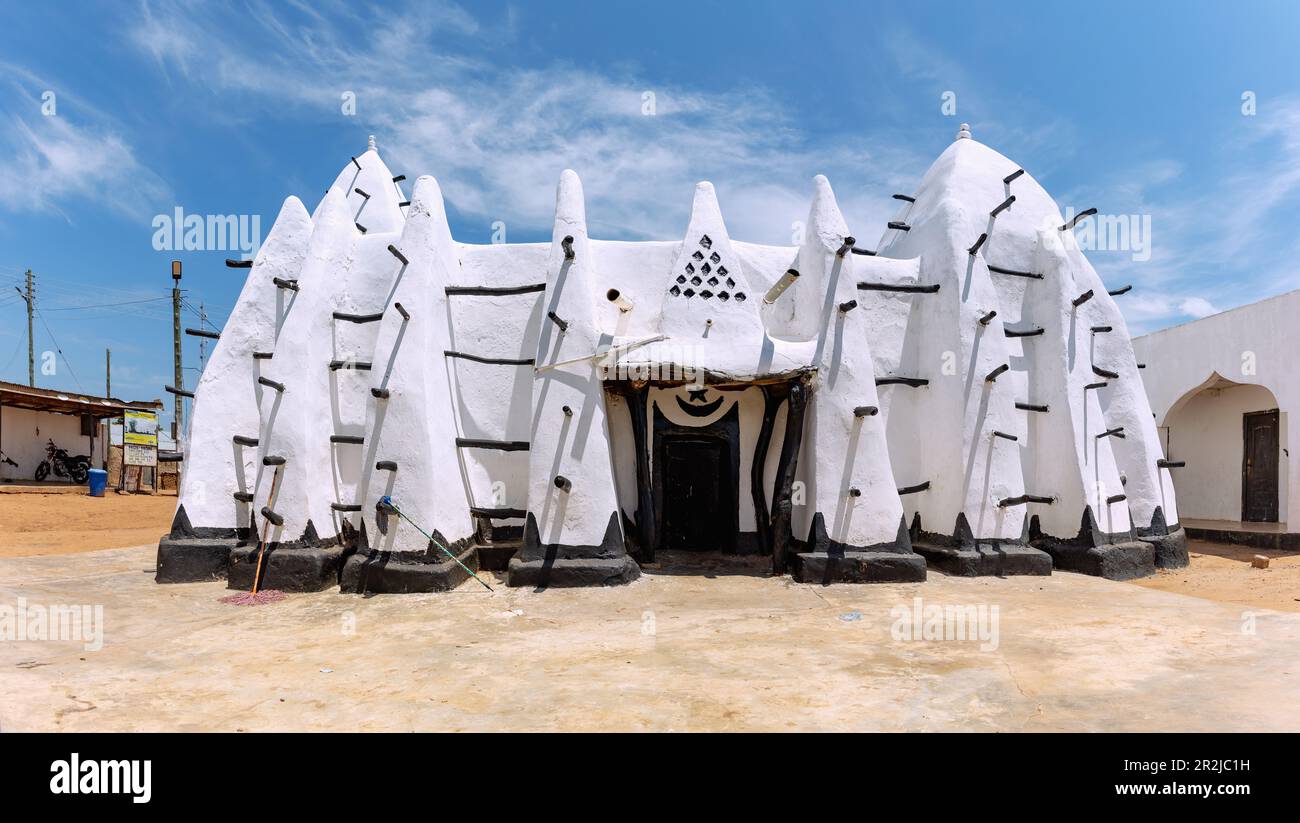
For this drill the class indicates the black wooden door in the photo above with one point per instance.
(1259, 467)
(693, 505)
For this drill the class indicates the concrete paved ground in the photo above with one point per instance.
(1233, 526)
(688, 647)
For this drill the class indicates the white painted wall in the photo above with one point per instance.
(847, 453)
(575, 446)
(228, 398)
(494, 402)
(1251, 345)
(1206, 431)
(414, 427)
(23, 433)
(958, 411)
(945, 434)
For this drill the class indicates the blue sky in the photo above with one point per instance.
(228, 108)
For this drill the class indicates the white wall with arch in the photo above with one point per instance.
(1202, 378)
(1205, 429)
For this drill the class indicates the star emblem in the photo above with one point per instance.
(697, 395)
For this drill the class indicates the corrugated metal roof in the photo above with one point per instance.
(16, 395)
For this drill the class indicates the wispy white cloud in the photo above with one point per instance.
(1197, 307)
(497, 137)
(1220, 240)
(74, 154)
(433, 83)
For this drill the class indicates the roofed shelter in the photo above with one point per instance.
(31, 416)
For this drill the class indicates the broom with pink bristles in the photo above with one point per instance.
(256, 597)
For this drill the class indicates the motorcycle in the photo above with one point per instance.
(77, 468)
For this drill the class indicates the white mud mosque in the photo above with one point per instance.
(962, 395)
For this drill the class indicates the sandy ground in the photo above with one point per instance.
(1221, 572)
(686, 648)
(48, 524)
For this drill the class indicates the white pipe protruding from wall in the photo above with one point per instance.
(615, 352)
(779, 287)
(620, 302)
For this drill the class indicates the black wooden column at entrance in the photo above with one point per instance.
(782, 504)
(772, 397)
(637, 397)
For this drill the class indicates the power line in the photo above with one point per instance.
(122, 301)
(58, 349)
(205, 314)
(113, 299)
(80, 289)
(108, 305)
(17, 349)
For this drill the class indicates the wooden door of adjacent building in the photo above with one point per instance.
(1259, 466)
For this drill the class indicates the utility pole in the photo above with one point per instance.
(108, 372)
(203, 341)
(179, 421)
(29, 297)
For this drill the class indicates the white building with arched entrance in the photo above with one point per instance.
(1222, 389)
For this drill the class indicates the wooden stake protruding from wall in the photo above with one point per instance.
(1025, 498)
(996, 373)
(1074, 220)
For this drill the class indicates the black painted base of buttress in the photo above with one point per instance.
(289, 569)
(1101, 554)
(552, 564)
(963, 555)
(391, 573)
(829, 561)
(193, 555)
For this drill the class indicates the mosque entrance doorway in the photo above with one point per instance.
(695, 498)
(697, 483)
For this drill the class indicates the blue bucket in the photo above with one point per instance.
(98, 482)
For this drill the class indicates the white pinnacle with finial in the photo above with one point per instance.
(370, 143)
(964, 132)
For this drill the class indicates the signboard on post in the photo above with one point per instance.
(139, 438)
